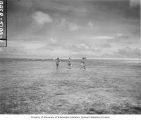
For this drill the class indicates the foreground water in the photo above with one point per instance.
(36, 87)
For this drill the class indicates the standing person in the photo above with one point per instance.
(69, 63)
(57, 62)
(83, 63)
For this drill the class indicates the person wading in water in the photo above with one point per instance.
(69, 63)
(83, 63)
(57, 63)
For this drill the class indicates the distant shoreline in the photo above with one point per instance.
(64, 59)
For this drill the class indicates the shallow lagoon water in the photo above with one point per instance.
(36, 87)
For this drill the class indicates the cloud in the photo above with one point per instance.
(25, 3)
(41, 18)
(134, 3)
(73, 27)
(101, 37)
(61, 27)
(60, 52)
(120, 35)
(70, 25)
(130, 52)
(82, 46)
(57, 51)
(106, 45)
(63, 22)
(32, 46)
(124, 39)
(53, 41)
(1, 49)
(113, 38)
(91, 25)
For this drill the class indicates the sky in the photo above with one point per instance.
(73, 28)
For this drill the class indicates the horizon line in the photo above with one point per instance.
(79, 58)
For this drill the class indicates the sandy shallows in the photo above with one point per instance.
(36, 87)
